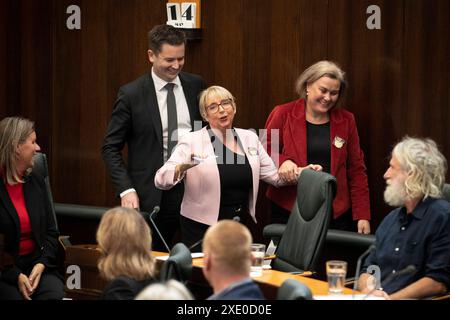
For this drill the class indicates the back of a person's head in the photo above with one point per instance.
(125, 241)
(170, 290)
(229, 244)
(425, 164)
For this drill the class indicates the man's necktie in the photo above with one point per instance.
(172, 122)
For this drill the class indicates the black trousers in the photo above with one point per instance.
(50, 287)
(192, 232)
(168, 218)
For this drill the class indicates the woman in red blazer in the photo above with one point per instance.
(314, 130)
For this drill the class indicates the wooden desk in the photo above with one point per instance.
(271, 280)
(86, 257)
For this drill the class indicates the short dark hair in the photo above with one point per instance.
(162, 34)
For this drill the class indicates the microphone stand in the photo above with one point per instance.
(154, 212)
(358, 266)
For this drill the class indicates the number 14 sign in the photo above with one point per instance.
(183, 14)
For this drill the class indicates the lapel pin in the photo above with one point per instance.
(252, 151)
(338, 142)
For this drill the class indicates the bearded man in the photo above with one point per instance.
(412, 243)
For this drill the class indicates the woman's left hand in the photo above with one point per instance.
(35, 275)
(363, 226)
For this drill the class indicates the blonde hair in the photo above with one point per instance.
(214, 91)
(170, 290)
(229, 243)
(318, 70)
(14, 131)
(425, 165)
(125, 241)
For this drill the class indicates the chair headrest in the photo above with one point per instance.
(40, 165)
(446, 192)
(312, 189)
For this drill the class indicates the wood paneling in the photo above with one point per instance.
(372, 60)
(26, 62)
(90, 66)
(67, 80)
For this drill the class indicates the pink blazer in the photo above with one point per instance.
(201, 198)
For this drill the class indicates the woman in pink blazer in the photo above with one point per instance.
(221, 167)
(313, 129)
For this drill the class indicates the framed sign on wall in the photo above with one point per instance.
(185, 15)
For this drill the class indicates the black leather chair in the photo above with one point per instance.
(303, 237)
(294, 290)
(41, 168)
(179, 264)
(446, 192)
(343, 245)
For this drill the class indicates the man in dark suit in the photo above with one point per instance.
(149, 115)
(227, 261)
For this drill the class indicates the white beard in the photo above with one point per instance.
(395, 194)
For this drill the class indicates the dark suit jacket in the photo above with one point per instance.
(246, 290)
(42, 224)
(347, 159)
(136, 121)
(124, 288)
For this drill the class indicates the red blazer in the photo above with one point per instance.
(347, 159)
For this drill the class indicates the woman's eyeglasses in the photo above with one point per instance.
(226, 104)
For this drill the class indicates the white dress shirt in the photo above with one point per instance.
(184, 119)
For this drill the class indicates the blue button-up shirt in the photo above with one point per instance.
(421, 238)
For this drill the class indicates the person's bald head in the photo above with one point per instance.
(228, 243)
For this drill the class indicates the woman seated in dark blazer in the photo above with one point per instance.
(125, 241)
(26, 219)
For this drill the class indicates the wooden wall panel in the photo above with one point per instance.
(26, 61)
(372, 61)
(426, 77)
(35, 93)
(90, 66)
(10, 58)
(67, 97)
(5, 14)
(93, 68)
(68, 80)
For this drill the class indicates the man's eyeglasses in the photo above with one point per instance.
(226, 104)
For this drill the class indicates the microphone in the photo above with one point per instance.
(358, 265)
(408, 269)
(151, 216)
(196, 244)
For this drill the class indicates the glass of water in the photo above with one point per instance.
(258, 252)
(336, 272)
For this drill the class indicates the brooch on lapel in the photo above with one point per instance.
(338, 142)
(252, 151)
